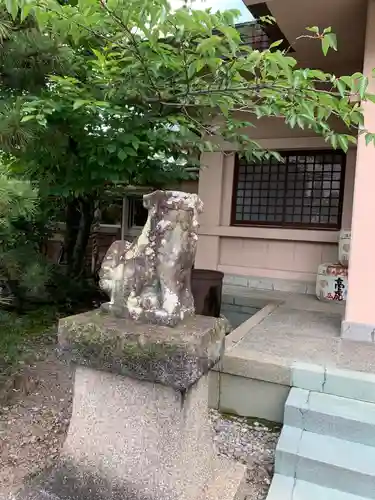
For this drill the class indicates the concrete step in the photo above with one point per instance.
(327, 461)
(287, 488)
(334, 416)
(329, 380)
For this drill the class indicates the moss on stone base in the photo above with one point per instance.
(172, 356)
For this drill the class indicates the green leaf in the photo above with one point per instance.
(12, 7)
(122, 155)
(191, 69)
(79, 103)
(224, 108)
(343, 142)
(348, 80)
(25, 11)
(369, 138)
(332, 38)
(27, 118)
(292, 121)
(313, 29)
(111, 148)
(325, 45)
(362, 86)
(209, 45)
(130, 152)
(276, 44)
(329, 41)
(341, 87)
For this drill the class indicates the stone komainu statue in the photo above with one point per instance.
(149, 280)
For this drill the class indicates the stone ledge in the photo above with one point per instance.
(268, 284)
(176, 357)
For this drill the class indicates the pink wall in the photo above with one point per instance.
(360, 304)
(290, 254)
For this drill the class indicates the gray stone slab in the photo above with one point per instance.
(281, 488)
(288, 488)
(286, 456)
(350, 384)
(304, 490)
(304, 323)
(363, 332)
(248, 363)
(176, 356)
(359, 356)
(311, 303)
(326, 461)
(289, 346)
(336, 463)
(256, 302)
(131, 439)
(343, 418)
(252, 398)
(146, 435)
(308, 376)
(295, 408)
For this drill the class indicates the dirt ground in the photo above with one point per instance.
(34, 418)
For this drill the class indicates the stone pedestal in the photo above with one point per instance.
(140, 428)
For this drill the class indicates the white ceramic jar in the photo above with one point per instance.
(332, 282)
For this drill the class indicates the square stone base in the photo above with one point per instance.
(134, 440)
(140, 428)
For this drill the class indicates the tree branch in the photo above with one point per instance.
(137, 52)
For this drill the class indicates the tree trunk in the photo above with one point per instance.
(71, 231)
(80, 213)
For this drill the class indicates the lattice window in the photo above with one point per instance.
(253, 35)
(306, 190)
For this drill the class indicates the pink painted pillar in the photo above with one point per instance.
(210, 192)
(359, 321)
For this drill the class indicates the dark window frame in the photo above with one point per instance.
(272, 30)
(291, 225)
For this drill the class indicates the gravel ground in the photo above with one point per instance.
(250, 442)
(33, 425)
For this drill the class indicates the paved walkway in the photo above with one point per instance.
(298, 328)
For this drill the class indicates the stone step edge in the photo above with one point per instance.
(288, 488)
(335, 381)
(303, 406)
(327, 461)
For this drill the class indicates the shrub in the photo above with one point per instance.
(24, 272)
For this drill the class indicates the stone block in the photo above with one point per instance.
(139, 428)
(361, 332)
(308, 376)
(286, 457)
(172, 356)
(350, 384)
(252, 398)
